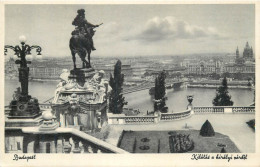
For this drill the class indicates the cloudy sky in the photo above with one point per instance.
(133, 30)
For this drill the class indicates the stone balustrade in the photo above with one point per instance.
(250, 109)
(122, 119)
(208, 110)
(140, 119)
(45, 106)
(175, 116)
(69, 140)
(223, 110)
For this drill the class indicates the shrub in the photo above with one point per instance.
(251, 123)
(207, 129)
(223, 150)
(180, 143)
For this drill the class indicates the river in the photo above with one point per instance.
(141, 100)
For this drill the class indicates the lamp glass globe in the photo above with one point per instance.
(39, 57)
(29, 57)
(22, 39)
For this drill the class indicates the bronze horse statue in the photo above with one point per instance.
(80, 44)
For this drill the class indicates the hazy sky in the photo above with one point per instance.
(136, 29)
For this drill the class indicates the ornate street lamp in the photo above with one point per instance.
(23, 105)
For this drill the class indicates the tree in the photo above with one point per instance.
(159, 94)
(116, 99)
(207, 129)
(223, 150)
(222, 98)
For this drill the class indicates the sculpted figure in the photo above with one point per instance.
(81, 42)
(17, 94)
(65, 75)
(83, 27)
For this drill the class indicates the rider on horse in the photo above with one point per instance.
(84, 27)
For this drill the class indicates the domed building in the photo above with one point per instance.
(248, 54)
(243, 66)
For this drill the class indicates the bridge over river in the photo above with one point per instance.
(144, 85)
(150, 85)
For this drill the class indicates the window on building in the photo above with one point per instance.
(18, 146)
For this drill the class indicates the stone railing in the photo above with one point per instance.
(122, 119)
(140, 119)
(175, 116)
(223, 110)
(45, 106)
(208, 110)
(250, 109)
(73, 141)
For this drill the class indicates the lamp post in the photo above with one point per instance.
(23, 104)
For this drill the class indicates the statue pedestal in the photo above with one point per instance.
(81, 75)
(24, 107)
(81, 100)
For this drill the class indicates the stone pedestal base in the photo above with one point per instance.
(81, 75)
(23, 109)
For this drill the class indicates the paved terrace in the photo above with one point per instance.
(233, 125)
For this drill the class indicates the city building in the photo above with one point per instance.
(248, 54)
(202, 67)
(242, 65)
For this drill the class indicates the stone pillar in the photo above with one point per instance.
(76, 120)
(30, 147)
(85, 147)
(81, 147)
(95, 121)
(90, 120)
(121, 121)
(12, 143)
(95, 149)
(66, 120)
(53, 148)
(228, 110)
(62, 122)
(99, 124)
(59, 145)
(90, 149)
(71, 141)
(110, 120)
(42, 147)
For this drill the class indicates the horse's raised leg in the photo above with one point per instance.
(74, 58)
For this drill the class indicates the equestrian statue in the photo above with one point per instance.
(81, 42)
